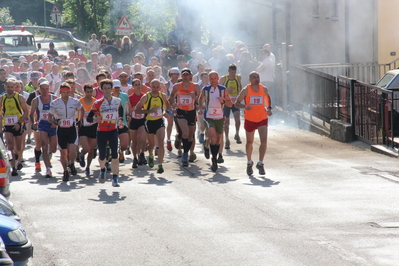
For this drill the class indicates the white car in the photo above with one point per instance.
(18, 42)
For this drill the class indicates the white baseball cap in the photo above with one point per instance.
(117, 83)
(119, 65)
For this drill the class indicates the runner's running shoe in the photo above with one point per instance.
(227, 145)
(65, 177)
(38, 167)
(101, 178)
(169, 145)
(73, 169)
(220, 159)
(151, 161)
(214, 165)
(237, 138)
(134, 165)
(184, 160)
(192, 157)
(19, 166)
(121, 157)
(177, 143)
(261, 168)
(49, 174)
(115, 182)
(87, 172)
(14, 172)
(160, 169)
(201, 138)
(250, 171)
(82, 160)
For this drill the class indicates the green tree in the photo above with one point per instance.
(155, 18)
(86, 15)
(5, 17)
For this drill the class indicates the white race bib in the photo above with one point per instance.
(43, 116)
(11, 120)
(136, 115)
(111, 116)
(66, 122)
(157, 114)
(256, 100)
(186, 100)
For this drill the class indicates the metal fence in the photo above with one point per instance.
(372, 111)
(64, 34)
(313, 92)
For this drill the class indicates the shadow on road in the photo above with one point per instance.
(262, 182)
(160, 181)
(108, 199)
(220, 179)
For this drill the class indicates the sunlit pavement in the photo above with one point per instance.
(321, 202)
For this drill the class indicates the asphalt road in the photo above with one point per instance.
(321, 202)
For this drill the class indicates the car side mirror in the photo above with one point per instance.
(39, 46)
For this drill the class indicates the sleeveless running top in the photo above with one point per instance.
(258, 102)
(87, 109)
(233, 85)
(184, 99)
(108, 111)
(213, 107)
(12, 110)
(134, 100)
(43, 109)
(154, 102)
(99, 94)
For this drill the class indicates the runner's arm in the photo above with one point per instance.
(24, 108)
(227, 100)
(139, 109)
(241, 97)
(172, 95)
(33, 111)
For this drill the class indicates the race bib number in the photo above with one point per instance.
(66, 122)
(112, 116)
(11, 120)
(256, 100)
(136, 115)
(43, 116)
(157, 114)
(215, 112)
(186, 100)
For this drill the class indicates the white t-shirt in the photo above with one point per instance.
(268, 73)
(54, 80)
(126, 88)
(94, 45)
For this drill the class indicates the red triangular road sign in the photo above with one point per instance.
(55, 9)
(124, 24)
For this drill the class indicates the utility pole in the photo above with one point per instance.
(44, 11)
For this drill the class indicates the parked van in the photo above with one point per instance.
(18, 42)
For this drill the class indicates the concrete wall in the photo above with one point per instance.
(388, 34)
(319, 37)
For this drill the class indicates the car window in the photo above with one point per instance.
(5, 210)
(394, 83)
(385, 80)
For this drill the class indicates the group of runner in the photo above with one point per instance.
(113, 117)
